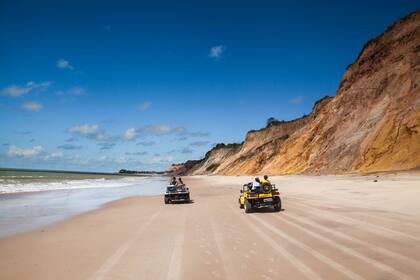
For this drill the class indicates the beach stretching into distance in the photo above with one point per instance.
(210, 140)
(330, 227)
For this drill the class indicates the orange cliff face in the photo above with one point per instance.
(372, 124)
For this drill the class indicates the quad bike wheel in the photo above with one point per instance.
(241, 206)
(277, 205)
(247, 206)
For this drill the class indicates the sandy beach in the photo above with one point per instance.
(331, 227)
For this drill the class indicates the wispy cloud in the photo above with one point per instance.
(55, 155)
(143, 106)
(70, 147)
(64, 64)
(20, 90)
(129, 134)
(74, 91)
(199, 134)
(85, 129)
(216, 52)
(297, 100)
(76, 160)
(14, 151)
(160, 159)
(32, 106)
(34, 153)
(136, 153)
(22, 132)
(158, 130)
(94, 132)
(199, 143)
(186, 151)
(146, 143)
(106, 145)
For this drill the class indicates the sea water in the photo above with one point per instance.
(28, 203)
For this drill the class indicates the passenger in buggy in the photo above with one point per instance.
(173, 182)
(180, 182)
(256, 184)
(265, 181)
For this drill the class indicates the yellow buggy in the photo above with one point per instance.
(266, 195)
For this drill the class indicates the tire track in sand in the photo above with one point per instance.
(225, 261)
(175, 263)
(349, 251)
(316, 254)
(303, 268)
(112, 260)
(406, 260)
(402, 220)
(368, 226)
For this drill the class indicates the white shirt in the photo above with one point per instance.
(255, 184)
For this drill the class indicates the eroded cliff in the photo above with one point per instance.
(372, 124)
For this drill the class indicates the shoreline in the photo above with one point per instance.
(27, 210)
(141, 236)
(42, 228)
(9, 196)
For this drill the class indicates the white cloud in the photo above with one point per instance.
(70, 147)
(161, 130)
(102, 137)
(143, 106)
(85, 129)
(136, 153)
(129, 134)
(186, 151)
(106, 145)
(160, 159)
(216, 52)
(18, 90)
(55, 155)
(199, 143)
(77, 160)
(146, 143)
(103, 158)
(64, 64)
(74, 91)
(26, 153)
(199, 134)
(32, 106)
(297, 100)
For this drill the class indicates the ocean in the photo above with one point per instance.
(30, 199)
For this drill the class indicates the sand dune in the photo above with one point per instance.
(330, 228)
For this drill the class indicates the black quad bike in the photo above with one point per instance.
(179, 193)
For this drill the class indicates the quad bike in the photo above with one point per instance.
(177, 193)
(266, 195)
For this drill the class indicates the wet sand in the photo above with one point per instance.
(330, 228)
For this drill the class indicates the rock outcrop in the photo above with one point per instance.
(372, 124)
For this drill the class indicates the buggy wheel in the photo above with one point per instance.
(241, 206)
(247, 206)
(277, 206)
(166, 200)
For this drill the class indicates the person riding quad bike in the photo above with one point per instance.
(259, 194)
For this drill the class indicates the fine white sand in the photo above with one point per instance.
(331, 227)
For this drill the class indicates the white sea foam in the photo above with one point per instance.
(11, 186)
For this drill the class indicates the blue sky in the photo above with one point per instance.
(104, 85)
